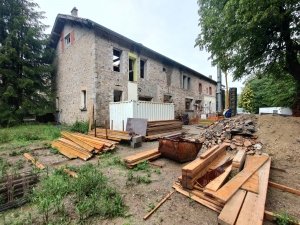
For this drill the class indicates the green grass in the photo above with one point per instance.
(21, 136)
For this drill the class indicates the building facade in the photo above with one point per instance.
(96, 66)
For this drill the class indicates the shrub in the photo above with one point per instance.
(81, 127)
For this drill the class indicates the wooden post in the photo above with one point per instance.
(112, 125)
(95, 129)
(106, 129)
(122, 125)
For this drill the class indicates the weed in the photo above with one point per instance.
(54, 151)
(4, 166)
(142, 179)
(157, 170)
(81, 127)
(144, 166)
(20, 164)
(150, 206)
(17, 153)
(4, 137)
(105, 155)
(282, 218)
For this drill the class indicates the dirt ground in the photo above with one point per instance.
(281, 136)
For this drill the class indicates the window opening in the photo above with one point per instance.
(57, 104)
(145, 98)
(68, 39)
(131, 69)
(210, 91)
(83, 99)
(117, 95)
(186, 82)
(116, 60)
(168, 98)
(142, 69)
(188, 103)
(200, 87)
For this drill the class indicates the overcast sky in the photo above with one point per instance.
(169, 27)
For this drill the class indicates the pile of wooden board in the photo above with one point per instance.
(81, 146)
(239, 201)
(133, 160)
(115, 135)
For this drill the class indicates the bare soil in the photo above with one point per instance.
(281, 136)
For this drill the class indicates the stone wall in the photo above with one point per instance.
(75, 73)
(87, 64)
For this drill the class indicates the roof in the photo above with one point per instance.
(62, 19)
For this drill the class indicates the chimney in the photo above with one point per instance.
(210, 76)
(74, 12)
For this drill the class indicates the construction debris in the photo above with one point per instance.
(34, 161)
(132, 161)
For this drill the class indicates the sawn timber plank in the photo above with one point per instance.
(215, 184)
(232, 208)
(141, 155)
(34, 161)
(209, 152)
(284, 188)
(228, 190)
(252, 183)
(77, 141)
(253, 209)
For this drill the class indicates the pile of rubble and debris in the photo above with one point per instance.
(237, 131)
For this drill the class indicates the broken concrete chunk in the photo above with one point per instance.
(258, 146)
(248, 122)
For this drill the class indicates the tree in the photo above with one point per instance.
(25, 62)
(247, 97)
(246, 37)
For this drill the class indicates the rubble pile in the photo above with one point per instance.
(238, 131)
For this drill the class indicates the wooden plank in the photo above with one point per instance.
(141, 155)
(284, 188)
(63, 150)
(159, 204)
(239, 159)
(209, 152)
(144, 159)
(198, 199)
(252, 211)
(215, 184)
(252, 183)
(72, 149)
(77, 141)
(155, 164)
(34, 161)
(226, 192)
(231, 210)
(91, 116)
(218, 162)
(270, 216)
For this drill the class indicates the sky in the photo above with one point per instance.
(168, 27)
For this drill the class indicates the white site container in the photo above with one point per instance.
(275, 110)
(120, 111)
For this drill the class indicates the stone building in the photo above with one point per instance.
(96, 65)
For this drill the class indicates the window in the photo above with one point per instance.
(197, 105)
(116, 60)
(200, 87)
(83, 100)
(131, 71)
(142, 69)
(132, 67)
(188, 104)
(210, 91)
(168, 98)
(68, 39)
(186, 82)
(117, 96)
(57, 104)
(145, 98)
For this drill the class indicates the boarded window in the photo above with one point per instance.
(210, 91)
(116, 60)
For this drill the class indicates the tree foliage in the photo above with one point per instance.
(25, 70)
(247, 97)
(247, 37)
(270, 92)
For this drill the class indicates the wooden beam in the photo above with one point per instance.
(209, 152)
(159, 204)
(34, 161)
(215, 184)
(231, 210)
(252, 211)
(226, 192)
(77, 141)
(284, 188)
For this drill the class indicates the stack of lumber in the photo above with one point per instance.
(115, 135)
(163, 126)
(238, 160)
(133, 160)
(200, 166)
(239, 201)
(80, 145)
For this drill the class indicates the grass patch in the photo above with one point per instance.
(81, 127)
(282, 218)
(89, 195)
